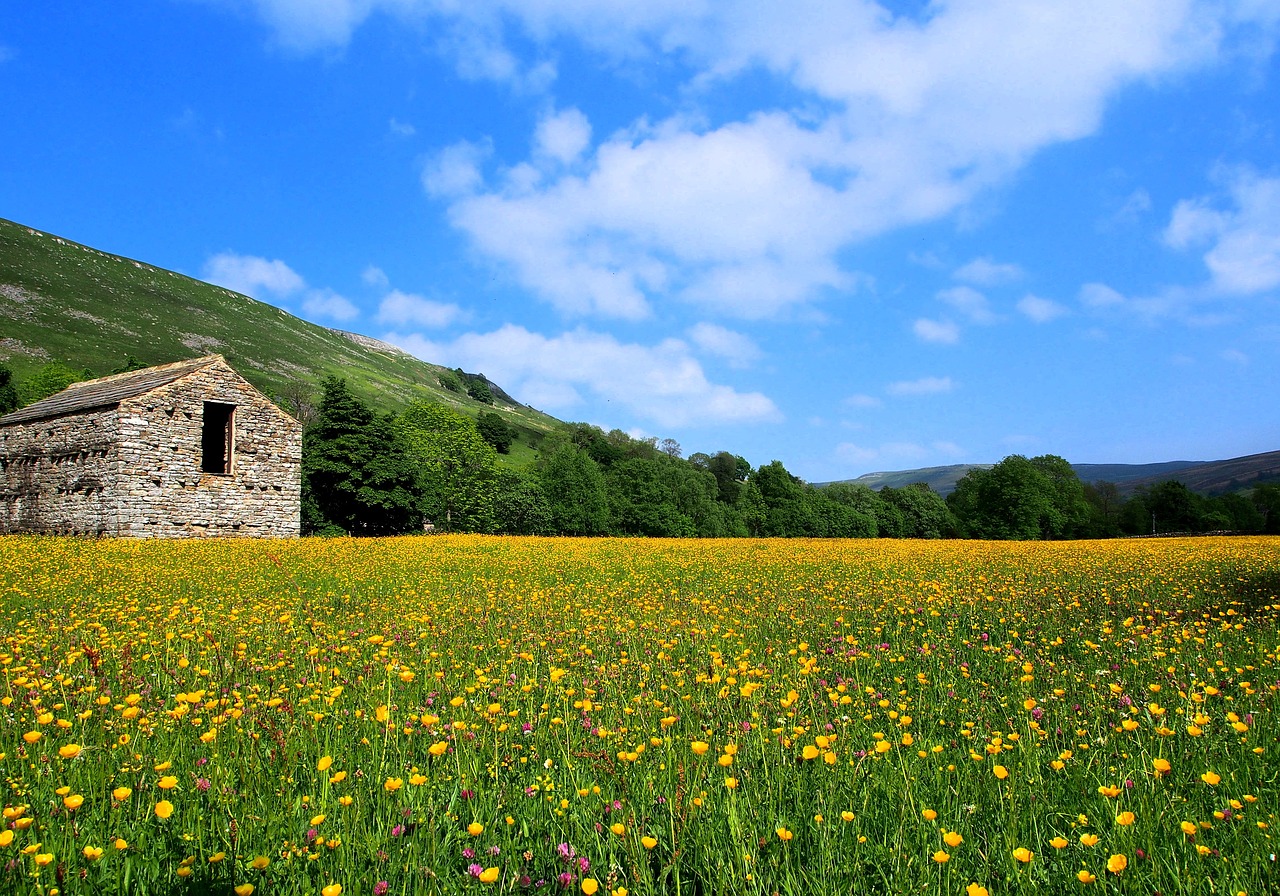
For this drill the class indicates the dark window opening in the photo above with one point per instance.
(217, 437)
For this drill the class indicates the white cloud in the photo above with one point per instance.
(969, 302)
(899, 119)
(375, 276)
(1170, 302)
(455, 170)
(1135, 205)
(327, 303)
(726, 219)
(942, 331)
(898, 454)
(739, 350)
(662, 383)
(985, 272)
(1040, 310)
(1099, 295)
(252, 276)
(748, 217)
(1242, 229)
(1235, 356)
(274, 280)
(862, 401)
(405, 310)
(563, 136)
(311, 24)
(929, 385)
(848, 452)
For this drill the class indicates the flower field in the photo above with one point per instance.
(484, 715)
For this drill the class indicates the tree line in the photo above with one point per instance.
(431, 467)
(1043, 498)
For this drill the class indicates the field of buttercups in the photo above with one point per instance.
(484, 715)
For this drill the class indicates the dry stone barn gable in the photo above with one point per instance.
(180, 450)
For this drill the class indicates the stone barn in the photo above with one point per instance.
(175, 451)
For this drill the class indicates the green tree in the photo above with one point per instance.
(750, 509)
(356, 474)
(1070, 513)
(642, 501)
(575, 490)
(1266, 499)
(519, 505)
(924, 513)
(695, 494)
(1135, 517)
(50, 379)
(129, 363)
(1020, 498)
(839, 520)
(1241, 514)
(601, 448)
(456, 467)
(729, 472)
(480, 391)
(1106, 504)
(299, 399)
(8, 394)
(1174, 507)
(866, 504)
(791, 511)
(494, 430)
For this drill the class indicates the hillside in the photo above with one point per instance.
(1214, 477)
(1219, 477)
(1128, 476)
(63, 301)
(941, 479)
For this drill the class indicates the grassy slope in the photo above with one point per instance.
(941, 479)
(63, 301)
(1221, 476)
(1213, 477)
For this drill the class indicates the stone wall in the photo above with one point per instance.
(135, 470)
(58, 476)
(163, 491)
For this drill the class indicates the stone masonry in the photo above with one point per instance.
(181, 450)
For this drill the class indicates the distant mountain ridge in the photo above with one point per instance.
(1211, 477)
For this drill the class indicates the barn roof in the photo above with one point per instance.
(107, 391)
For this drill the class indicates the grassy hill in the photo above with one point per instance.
(1218, 477)
(1213, 477)
(941, 479)
(61, 301)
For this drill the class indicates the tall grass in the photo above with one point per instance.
(464, 714)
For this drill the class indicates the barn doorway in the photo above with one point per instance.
(217, 438)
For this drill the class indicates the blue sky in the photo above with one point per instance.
(849, 236)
